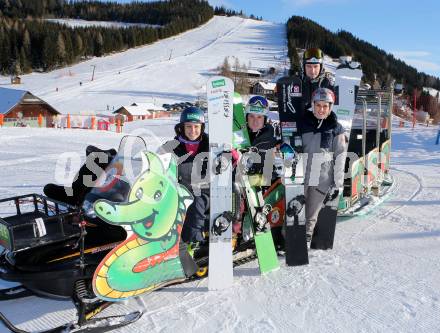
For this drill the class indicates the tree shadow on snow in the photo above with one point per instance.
(37, 308)
(143, 93)
(414, 202)
(411, 235)
(176, 289)
(246, 271)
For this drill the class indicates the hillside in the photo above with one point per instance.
(173, 69)
(29, 42)
(304, 33)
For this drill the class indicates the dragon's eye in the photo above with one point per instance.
(139, 193)
(157, 195)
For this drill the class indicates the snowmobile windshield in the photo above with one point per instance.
(115, 183)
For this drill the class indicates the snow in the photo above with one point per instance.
(149, 106)
(147, 74)
(77, 23)
(268, 85)
(253, 71)
(137, 111)
(381, 276)
(433, 92)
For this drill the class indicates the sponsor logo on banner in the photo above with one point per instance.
(226, 105)
(296, 91)
(194, 117)
(218, 83)
(343, 112)
(215, 98)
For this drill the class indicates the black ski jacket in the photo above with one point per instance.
(325, 148)
(192, 169)
(265, 141)
(309, 86)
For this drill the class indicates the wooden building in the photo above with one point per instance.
(140, 111)
(266, 89)
(16, 80)
(22, 108)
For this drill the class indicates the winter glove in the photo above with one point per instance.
(332, 194)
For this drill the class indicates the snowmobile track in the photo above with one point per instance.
(376, 218)
(411, 198)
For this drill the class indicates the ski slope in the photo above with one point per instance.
(382, 275)
(171, 70)
(75, 23)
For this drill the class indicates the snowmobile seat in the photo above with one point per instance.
(75, 194)
(33, 220)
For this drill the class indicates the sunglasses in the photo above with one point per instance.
(258, 101)
(313, 53)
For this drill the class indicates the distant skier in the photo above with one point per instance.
(323, 141)
(191, 147)
(313, 74)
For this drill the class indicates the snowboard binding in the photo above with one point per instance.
(222, 223)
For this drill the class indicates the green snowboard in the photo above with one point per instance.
(267, 256)
(240, 133)
(266, 253)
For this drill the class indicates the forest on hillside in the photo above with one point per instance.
(304, 33)
(30, 43)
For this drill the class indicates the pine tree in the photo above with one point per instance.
(99, 43)
(225, 69)
(78, 46)
(61, 49)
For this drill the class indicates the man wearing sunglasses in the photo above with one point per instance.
(313, 75)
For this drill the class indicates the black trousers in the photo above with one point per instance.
(196, 219)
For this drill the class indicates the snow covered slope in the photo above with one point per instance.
(75, 23)
(148, 74)
(382, 275)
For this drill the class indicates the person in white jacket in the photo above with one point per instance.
(325, 146)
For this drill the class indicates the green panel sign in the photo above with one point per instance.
(343, 112)
(218, 83)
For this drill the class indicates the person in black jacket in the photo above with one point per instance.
(191, 147)
(325, 144)
(313, 75)
(261, 132)
(262, 136)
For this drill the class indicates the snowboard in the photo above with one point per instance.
(291, 108)
(220, 91)
(240, 133)
(266, 254)
(257, 223)
(348, 78)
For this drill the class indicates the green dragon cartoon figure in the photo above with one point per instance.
(155, 212)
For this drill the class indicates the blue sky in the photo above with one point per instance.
(409, 30)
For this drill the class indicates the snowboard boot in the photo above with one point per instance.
(198, 250)
(309, 240)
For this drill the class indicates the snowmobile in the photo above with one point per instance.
(53, 248)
